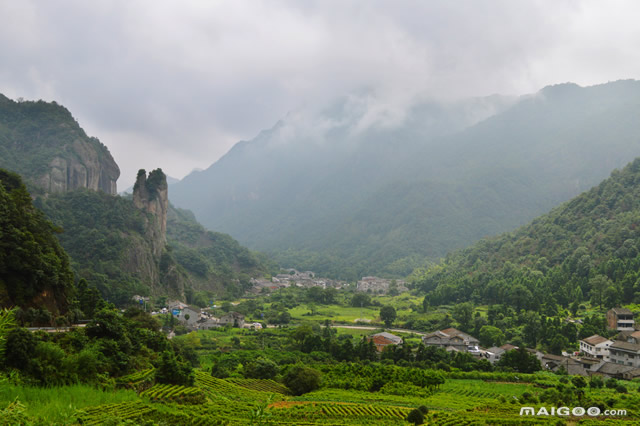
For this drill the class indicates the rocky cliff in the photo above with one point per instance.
(44, 143)
(151, 196)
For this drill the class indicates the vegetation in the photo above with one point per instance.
(34, 269)
(32, 134)
(585, 250)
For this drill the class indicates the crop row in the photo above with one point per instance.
(364, 410)
(222, 389)
(163, 392)
(260, 385)
(124, 411)
(134, 379)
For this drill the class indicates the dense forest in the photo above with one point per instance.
(34, 269)
(102, 233)
(585, 249)
(44, 143)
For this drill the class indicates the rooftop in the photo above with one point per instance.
(626, 346)
(392, 337)
(621, 311)
(595, 340)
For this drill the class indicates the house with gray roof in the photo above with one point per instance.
(625, 353)
(451, 338)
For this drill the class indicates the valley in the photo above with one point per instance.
(124, 309)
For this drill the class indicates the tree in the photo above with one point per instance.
(463, 313)
(598, 285)
(261, 368)
(32, 262)
(300, 379)
(520, 360)
(360, 299)
(20, 347)
(174, 371)
(388, 315)
(415, 416)
(7, 323)
(491, 336)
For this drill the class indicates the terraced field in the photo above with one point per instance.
(234, 401)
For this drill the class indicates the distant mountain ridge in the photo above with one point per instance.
(333, 195)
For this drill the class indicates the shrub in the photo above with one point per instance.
(262, 368)
(621, 388)
(416, 417)
(173, 371)
(596, 382)
(300, 379)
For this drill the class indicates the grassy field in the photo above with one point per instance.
(213, 401)
(59, 404)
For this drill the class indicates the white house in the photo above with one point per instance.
(596, 346)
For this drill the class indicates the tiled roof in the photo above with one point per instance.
(633, 347)
(391, 337)
(622, 311)
(595, 340)
(612, 368)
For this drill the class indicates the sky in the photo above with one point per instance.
(174, 84)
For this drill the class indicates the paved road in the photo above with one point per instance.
(365, 327)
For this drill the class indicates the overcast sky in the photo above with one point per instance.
(174, 84)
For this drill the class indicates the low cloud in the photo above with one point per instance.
(174, 85)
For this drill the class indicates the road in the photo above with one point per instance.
(393, 330)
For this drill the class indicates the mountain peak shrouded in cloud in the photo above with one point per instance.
(176, 85)
(323, 192)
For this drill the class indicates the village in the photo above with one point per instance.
(617, 357)
(598, 356)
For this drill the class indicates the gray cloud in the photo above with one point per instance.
(175, 84)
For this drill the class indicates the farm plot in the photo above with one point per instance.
(175, 393)
(219, 389)
(136, 380)
(356, 410)
(261, 385)
(123, 411)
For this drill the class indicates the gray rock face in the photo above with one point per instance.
(152, 196)
(81, 166)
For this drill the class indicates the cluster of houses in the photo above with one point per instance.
(619, 358)
(380, 285)
(195, 318)
(294, 278)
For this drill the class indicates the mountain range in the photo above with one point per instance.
(352, 191)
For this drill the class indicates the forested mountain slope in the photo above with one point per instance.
(340, 195)
(34, 269)
(44, 143)
(585, 249)
(114, 245)
(121, 245)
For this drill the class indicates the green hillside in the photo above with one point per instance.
(34, 269)
(106, 240)
(585, 249)
(44, 143)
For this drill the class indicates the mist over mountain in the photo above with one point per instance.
(362, 189)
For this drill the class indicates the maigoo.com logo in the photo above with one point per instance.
(566, 411)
